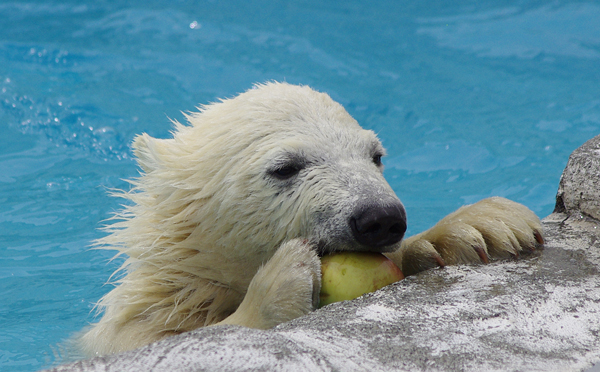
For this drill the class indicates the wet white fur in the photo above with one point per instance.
(205, 215)
(210, 235)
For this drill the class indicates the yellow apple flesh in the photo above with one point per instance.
(348, 275)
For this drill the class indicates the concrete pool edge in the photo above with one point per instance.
(541, 313)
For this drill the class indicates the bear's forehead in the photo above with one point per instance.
(290, 104)
(279, 115)
(295, 111)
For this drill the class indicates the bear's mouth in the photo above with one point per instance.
(323, 248)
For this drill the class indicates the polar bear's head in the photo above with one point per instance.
(275, 163)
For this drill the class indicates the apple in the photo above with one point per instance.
(348, 275)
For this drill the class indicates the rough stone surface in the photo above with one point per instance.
(541, 313)
(579, 189)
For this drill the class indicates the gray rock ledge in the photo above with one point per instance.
(536, 314)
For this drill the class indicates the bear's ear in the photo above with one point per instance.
(149, 152)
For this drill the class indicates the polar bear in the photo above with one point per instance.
(228, 219)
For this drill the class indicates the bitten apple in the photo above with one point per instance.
(348, 275)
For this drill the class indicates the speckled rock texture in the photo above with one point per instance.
(541, 313)
(579, 189)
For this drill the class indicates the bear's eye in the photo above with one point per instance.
(286, 171)
(377, 159)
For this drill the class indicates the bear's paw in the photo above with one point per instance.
(285, 288)
(492, 228)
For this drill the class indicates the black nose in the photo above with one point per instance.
(377, 226)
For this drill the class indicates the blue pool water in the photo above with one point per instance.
(472, 100)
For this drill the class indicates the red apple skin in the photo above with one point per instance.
(348, 275)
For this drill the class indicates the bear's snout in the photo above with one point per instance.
(377, 226)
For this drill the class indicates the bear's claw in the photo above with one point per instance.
(538, 237)
(482, 254)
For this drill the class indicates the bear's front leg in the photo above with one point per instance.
(492, 228)
(285, 288)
